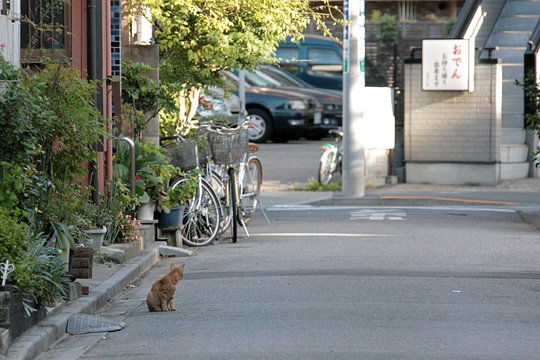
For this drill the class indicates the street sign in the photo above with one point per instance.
(446, 65)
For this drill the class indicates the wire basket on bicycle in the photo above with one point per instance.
(183, 153)
(228, 146)
(186, 153)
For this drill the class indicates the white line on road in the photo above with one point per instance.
(431, 208)
(319, 234)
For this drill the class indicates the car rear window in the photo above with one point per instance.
(287, 53)
(323, 56)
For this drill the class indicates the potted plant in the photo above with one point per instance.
(93, 222)
(149, 184)
(173, 202)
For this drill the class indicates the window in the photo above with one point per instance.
(43, 27)
(324, 60)
(287, 54)
(323, 56)
(287, 57)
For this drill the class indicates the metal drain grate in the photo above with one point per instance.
(85, 324)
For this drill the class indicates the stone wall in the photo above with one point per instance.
(148, 54)
(453, 137)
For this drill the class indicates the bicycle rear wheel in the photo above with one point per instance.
(327, 166)
(217, 180)
(250, 188)
(202, 216)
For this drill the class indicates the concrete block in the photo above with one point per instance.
(75, 291)
(120, 253)
(452, 173)
(165, 250)
(513, 136)
(513, 171)
(514, 153)
(4, 341)
(148, 232)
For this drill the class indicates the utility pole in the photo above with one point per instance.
(354, 83)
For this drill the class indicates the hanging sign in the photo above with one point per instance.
(346, 38)
(446, 65)
(362, 36)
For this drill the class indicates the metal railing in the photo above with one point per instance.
(465, 18)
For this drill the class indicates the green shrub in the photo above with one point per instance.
(72, 127)
(314, 185)
(13, 237)
(18, 117)
(14, 181)
(42, 273)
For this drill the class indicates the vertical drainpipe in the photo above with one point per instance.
(109, 91)
(92, 75)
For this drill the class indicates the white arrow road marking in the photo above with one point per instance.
(378, 215)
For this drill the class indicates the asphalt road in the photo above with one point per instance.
(343, 283)
(348, 282)
(291, 163)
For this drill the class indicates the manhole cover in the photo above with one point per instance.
(85, 324)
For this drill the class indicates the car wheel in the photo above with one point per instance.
(262, 122)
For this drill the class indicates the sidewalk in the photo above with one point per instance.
(108, 282)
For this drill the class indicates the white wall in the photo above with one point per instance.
(10, 36)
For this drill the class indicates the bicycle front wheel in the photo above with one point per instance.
(202, 216)
(250, 190)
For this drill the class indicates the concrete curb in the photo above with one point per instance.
(532, 219)
(53, 328)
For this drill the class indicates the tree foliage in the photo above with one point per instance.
(199, 38)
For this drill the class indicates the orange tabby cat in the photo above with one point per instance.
(161, 296)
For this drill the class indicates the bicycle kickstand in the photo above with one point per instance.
(245, 227)
(259, 205)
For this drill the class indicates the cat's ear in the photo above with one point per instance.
(181, 267)
(172, 267)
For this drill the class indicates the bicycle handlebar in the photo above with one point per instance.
(220, 128)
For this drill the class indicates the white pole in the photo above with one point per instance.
(354, 83)
(242, 115)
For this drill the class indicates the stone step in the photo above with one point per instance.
(512, 104)
(509, 38)
(513, 171)
(512, 120)
(513, 136)
(522, 7)
(512, 71)
(517, 22)
(510, 88)
(510, 54)
(514, 153)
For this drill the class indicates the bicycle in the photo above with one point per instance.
(251, 175)
(330, 163)
(203, 214)
(229, 150)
